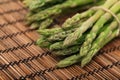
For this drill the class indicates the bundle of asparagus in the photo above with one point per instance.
(42, 13)
(83, 35)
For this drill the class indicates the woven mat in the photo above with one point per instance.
(21, 59)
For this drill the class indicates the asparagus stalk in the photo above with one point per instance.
(42, 42)
(35, 25)
(76, 18)
(48, 32)
(57, 9)
(27, 2)
(67, 51)
(41, 4)
(95, 48)
(57, 46)
(69, 61)
(41, 24)
(99, 24)
(88, 24)
(60, 36)
(46, 23)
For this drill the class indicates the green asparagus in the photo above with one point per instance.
(88, 24)
(46, 23)
(42, 42)
(57, 9)
(80, 37)
(95, 48)
(59, 45)
(35, 25)
(99, 24)
(41, 4)
(48, 32)
(67, 51)
(69, 61)
(60, 36)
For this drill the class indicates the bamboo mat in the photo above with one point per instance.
(21, 59)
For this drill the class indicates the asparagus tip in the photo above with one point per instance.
(85, 61)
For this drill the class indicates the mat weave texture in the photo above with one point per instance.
(20, 59)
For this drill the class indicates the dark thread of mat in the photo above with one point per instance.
(51, 69)
(40, 55)
(5, 66)
(38, 73)
(6, 2)
(96, 71)
(11, 11)
(11, 23)
(16, 48)
(45, 54)
(15, 34)
(42, 76)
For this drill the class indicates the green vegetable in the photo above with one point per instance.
(42, 42)
(46, 23)
(59, 45)
(87, 24)
(99, 24)
(95, 48)
(42, 4)
(57, 9)
(69, 61)
(35, 25)
(48, 32)
(60, 36)
(80, 37)
(67, 51)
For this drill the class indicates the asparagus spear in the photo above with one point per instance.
(88, 24)
(41, 4)
(41, 24)
(48, 32)
(35, 25)
(67, 51)
(60, 36)
(95, 48)
(57, 46)
(99, 24)
(35, 4)
(42, 42)
(76, 18)
(57, 9)
(27, 2)
(69, 61)
(45, 23)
